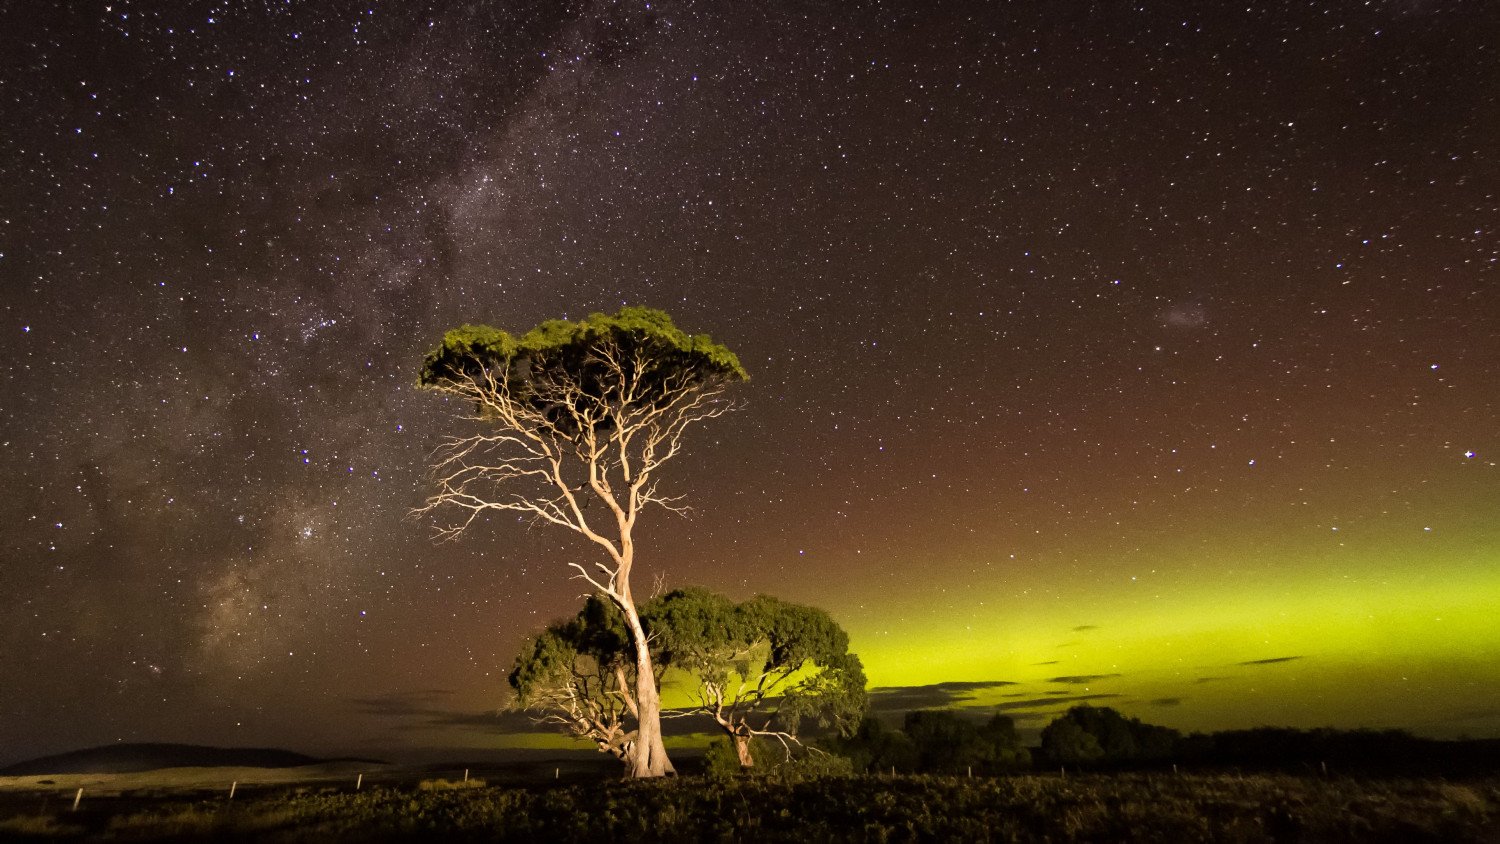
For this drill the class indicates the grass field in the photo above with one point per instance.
(1099, 807)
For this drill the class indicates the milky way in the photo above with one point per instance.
(1109, 338)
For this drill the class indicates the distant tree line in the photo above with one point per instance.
(935, 741)
(1103, 738)
(1100, 738)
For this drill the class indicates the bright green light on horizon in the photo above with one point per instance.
(1417, 648)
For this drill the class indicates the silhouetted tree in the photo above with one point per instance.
(947, 742)
(1004, 751)
(1086, 733)
(874, 747)
(1366, 750)
(1064, 740)
(574, 413)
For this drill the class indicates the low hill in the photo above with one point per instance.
(129, 758)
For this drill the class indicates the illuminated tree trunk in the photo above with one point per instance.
(739, 733)
(649, 755)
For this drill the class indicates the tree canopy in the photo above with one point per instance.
(608, 364)
(949, 743)
(761, 667)
(758, 668)
(577, 673)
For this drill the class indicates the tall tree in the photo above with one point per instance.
(574, 413)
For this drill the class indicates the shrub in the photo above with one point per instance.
(449, 785)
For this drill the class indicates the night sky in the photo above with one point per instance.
(1145, 354)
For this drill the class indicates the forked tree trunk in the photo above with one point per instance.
(742, 747)
(649, 755)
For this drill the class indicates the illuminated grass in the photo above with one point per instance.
(1133, 807)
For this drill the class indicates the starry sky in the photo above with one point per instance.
(1145, 354)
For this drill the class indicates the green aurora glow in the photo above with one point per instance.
(1410, 640)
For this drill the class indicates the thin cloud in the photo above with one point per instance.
(1272, 661)
(425, 710)
(414, 711)
(936, 695)
(1080, 679)
(1050, 702)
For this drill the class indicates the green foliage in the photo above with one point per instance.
(938, 742)
(948, 743)
(441, 784)
(1086, 734)
(784, 662)
(690, 627)
(1065, 741)
(875, 748)
(596, 636)
(41, 827)
(814, 765)
(780, 662)
(586, 411)
(721, 762)
(577, 350)
(1122, 807)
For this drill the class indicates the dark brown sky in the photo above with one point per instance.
(1041, 300)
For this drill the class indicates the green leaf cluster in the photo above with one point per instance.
(801, 653)
(587, 646)
(796, 658)
(573, 349)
